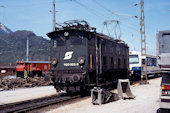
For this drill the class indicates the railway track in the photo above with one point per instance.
(29, 105)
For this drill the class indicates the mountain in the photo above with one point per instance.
(4, 29)
(13, 47)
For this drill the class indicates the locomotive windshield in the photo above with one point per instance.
(59, 41)
(72, 40)
(133, 59)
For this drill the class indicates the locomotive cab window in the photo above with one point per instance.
(75, 40)
(20, 63)
(59, 41)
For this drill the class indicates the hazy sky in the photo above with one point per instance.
(34, 15)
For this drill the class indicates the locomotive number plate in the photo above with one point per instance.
(71, 64)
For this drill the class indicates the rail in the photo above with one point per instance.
(28, 105)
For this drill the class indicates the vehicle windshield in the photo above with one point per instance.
(133, 59)
(166, 78)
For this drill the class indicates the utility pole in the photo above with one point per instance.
(27, 52)
(54, 15)
(143, 44)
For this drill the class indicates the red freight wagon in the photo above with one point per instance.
(7, 71)
(32, 68)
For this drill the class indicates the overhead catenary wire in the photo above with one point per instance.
(121, 15)
(115, 12)
(90, 9)
(95, 12)
(28, 5)
(123, 9)
(101, 16)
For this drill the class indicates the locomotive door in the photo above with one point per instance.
(98, 58)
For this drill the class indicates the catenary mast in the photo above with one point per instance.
(143, 43)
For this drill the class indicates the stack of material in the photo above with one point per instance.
(7, 84)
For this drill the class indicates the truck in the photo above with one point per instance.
(163, 58)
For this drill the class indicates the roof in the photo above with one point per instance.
(7, 67)
(94, 32)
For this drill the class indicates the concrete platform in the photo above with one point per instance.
(22, 94)
(146, 101)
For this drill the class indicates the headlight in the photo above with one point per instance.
(54, 62)
(66, 34)
(81, 61)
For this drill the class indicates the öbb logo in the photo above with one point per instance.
(68, 55)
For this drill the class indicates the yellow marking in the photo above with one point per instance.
(91, 66)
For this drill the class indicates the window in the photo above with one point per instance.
(34, 65)
(165, 79)
(55, 43)
(75, 40)
(20, 63)
(143, 61)
(153, 61)
(118, 62)
(111, 60)
(125, 62)
(164, 43)
(104, 60)
(59, 41)
(133, 59)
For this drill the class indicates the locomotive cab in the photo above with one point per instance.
(20, 69)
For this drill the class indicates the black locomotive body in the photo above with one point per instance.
(82, 58)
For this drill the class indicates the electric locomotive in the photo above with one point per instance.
(81, 58)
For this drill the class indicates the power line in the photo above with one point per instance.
(90, 9)
(32, 4)
(115, 12)
(134, 5)
(102, 6)
(93, 11)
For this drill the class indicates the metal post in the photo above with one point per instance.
(27, 51)
(143, 42)
(54, 15)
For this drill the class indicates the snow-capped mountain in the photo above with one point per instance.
(4, 29)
